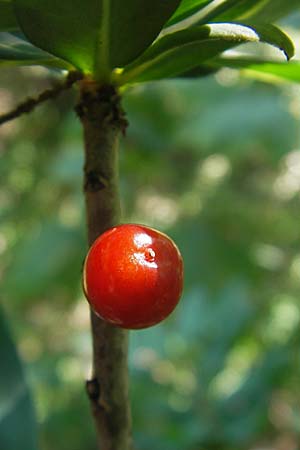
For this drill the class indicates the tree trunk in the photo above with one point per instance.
(103, 120)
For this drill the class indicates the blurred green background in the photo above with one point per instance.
(215, 163)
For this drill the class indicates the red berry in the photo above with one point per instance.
(133, 276)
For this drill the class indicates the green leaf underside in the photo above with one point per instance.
(255, 10)
(184, 50)
(96, 35)
(17, 51)
(8, 19)
(18, 428)
(279, 70)
(186, 9)
(214, 10)
(239, 10)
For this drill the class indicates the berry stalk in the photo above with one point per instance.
(103, 121)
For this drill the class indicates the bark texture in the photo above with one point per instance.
(103, 120)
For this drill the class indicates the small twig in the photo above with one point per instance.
(28, 105)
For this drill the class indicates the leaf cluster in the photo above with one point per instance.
(119, 42)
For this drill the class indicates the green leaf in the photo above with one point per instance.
(215, 10)
(96, 35)
(200, 71)
(239, 10)
(180, 52)
(265, 69)
(273, 35)
(256, 10)
(18, 428)
(186, 9)
(272, 10)
(14, 50)
(8, 19)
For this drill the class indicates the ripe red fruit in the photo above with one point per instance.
(133, 276)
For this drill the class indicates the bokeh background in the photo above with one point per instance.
(215, 163)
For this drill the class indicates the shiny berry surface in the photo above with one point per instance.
(133, 276)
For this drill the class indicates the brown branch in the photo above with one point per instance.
(31, 103)
(103, 121)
